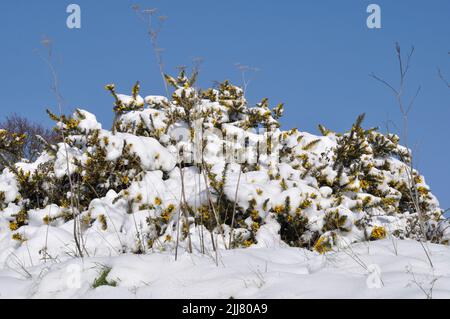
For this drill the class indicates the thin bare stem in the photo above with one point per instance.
(441, 76)
(56, 91)
(147, 17)
(234, 208)
(398, 93)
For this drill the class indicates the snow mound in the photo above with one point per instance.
(207, 173)
(367, 270)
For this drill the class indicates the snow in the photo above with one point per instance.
(31, 167)
(65, 160)
(380, 269)
(154, 119)
(156, 100)
(8, 186)
(128, 100)
(88, 121)
(132, 228)
(152, 154)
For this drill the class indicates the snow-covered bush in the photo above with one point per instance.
(218, 168)
(11, 146)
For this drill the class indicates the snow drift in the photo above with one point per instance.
(201, 172)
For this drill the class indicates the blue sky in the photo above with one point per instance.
(315, 56)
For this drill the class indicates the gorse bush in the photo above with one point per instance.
(205, 164)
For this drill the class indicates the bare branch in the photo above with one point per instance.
(146, 16)
(408, 160)
(59, 99)
(244, 69)
(384, 82)
(441, 76)
(411, 103)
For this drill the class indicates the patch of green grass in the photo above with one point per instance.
(102, 279)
